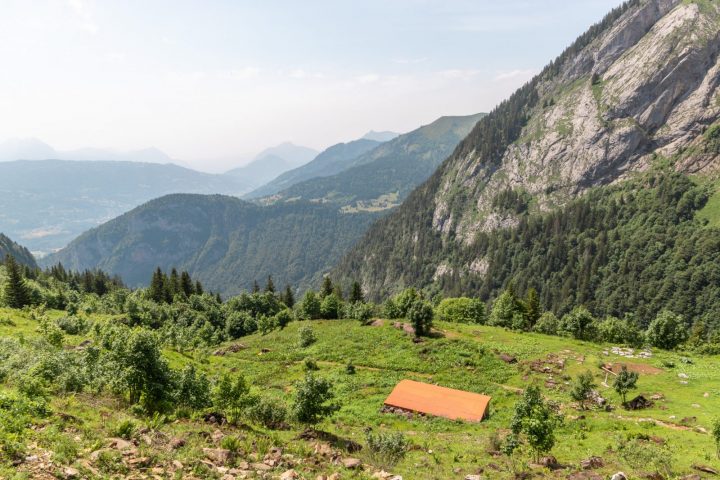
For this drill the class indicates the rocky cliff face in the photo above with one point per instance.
(637, 89)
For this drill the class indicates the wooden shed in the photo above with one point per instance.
(418, 397)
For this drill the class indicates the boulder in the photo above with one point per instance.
(70, 472)
(289, 475)
(592, 463)
(218, 455)
(351, 463)
(177, 442)
(549, 462)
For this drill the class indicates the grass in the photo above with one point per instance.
(466, 357)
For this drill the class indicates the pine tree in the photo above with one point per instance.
(356, 293)
(288, 298)
(532, 307)
(17, 294)
(157, 289)
(327, 287)
(270, 286)
(174, 285)
(255, 287)
(198, 287)
(186, 284)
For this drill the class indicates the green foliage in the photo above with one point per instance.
(230, 393)
(579, 324)
(420, 315)
(359, 311)
(461, 310)
(268, 412)
(625, 381)
(391, 309)
(582, 388)
(331, 307)
(534, 421)
(405, 300)
(716, 435)
(667, 330)
(266, 324)
(16, 293)
(506, 309)
(643, 454)
(356, 293)
(548, 324)
(306, 336)
(386, 449)
(310, 306)
(617, 331)
(192, 389)
(125, 429)
(73, 324)
(313, 400)
(283, 317)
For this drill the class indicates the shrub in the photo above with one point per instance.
(192, 389)
(73, 325)
(461, 310)
(124, 429)
(310, 365)
(310, 306)
(624, 382)
(231, 442)
(405, 300)
(266, 324)
(641, 454)
(306, 336)
(230, 393)
(716, 436)
(547, 324)
(420, 315)
(391, 310)
(331, 307)
(386, 449)
(359, 311)
(350, 369)
(614, 330)
(313, 400)
(582, 388)
(268, 412)
(667, 330)
(579, 324)
(283, 317)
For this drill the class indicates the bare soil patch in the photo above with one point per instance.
(634, 367)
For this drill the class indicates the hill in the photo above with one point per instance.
(272, 162)
(382, 177)
(21, 254)
(627, 100)
(47, 203)
(331, 161)
(223, 241)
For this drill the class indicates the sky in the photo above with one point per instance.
(211, 82)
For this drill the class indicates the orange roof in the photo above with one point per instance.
(439, 401)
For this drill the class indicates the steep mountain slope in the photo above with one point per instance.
(638, 90)
(384, 136)
(225, 242)
(47, 203)
(331, 161)
(272, 162)
(382, 177)
(20, 253)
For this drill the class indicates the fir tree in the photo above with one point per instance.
(288, 298)
(270, 286)
(174, 285)
(186, 284)
(198, 287)
(327, 287)
(532, 307)
(255, 287)
(157, 289)
(356, 293)
(17, 294)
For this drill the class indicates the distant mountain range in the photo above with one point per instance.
(227, 243)
(380, 136)
(272, 162)
(34, 149)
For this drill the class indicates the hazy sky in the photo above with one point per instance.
(210, 81)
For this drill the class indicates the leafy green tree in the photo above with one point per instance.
(313, 400)
(356, 293)
(579, 323)
(547, 324)
(421, 317)
(582, 388)
(283, 317)
(16, 293)
(667, 330)
(230, 393)
(310, 306)
(331, 307)
(192, 389)
(534, 422)
(504, 309)
(405, 300)
(391, 310)
(625, 381)
(615, 330)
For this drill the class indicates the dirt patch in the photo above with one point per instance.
(634, 367)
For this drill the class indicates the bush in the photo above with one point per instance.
(405, 300)
(331, 307)
(359, 311)
(306, 336)
(310, 365)
(386, 449)
(309, 307)
(716, 436)
(420, 315)
(230, 394)
(547, 324)
(461, 310)
(267, 412)
(579, 324)
(73, 325)
(313, 400)
(391, 310)
(667, 330)
(192, 389)
(641, 454)
(614, 330)
(283, 317)
(124, 429)
(266, 324)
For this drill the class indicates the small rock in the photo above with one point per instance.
(71, 472)
(592, 463)
(227, 476)
(140, 462)
(692, 476)
(177, 464)
(706, 395)
(473, 477)
(549, 461)
(177, 442)
(217, 435)
(683, 376)
(351, 463)
(289, 475)
(31, 458)
(619, 476)
(219, 455)
(334, 476)
(260, 467)
(120, 444)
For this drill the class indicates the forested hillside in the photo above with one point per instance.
(626, 96)
(225, 242)
(21, 254)
(381, 178)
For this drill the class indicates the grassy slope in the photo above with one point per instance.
(465, 358)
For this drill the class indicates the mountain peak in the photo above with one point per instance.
(382, 136)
